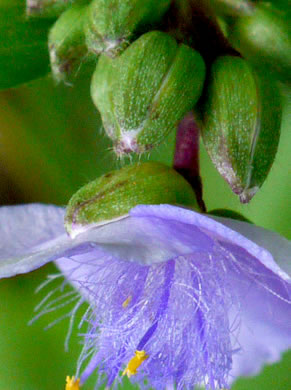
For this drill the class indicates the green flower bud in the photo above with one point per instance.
(111, 196)
(144, 93)
(264, 38)
(46, 8)
(241, 124)
(233, 7)
(111, 23)
(67, 45)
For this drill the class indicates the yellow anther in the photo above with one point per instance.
(127, 302)
(72, 383)
(134, 363)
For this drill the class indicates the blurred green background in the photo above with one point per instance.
(51, 143)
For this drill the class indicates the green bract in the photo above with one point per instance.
(67, 45)
(111, 23)
(241, 124)
(143, 94)
(112, 195)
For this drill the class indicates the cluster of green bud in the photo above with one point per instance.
(146, 81)
(111, 196)
(99, 26)
(241, 124)
(144, 93)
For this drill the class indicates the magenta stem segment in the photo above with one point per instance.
(186, 158)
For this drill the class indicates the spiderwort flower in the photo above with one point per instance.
(176, 298)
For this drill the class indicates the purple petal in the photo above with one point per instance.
(265, 302)
(29, 236)
(149, 238)
(203, 222)
(277, 245)
(146, 240)
(264, 326)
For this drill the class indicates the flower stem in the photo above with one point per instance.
(186, 158)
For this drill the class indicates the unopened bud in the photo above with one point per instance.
(241, 124)
(111, 23)
(111, 196)
(46, 8)
(264, 38)
(67, 45)
(144, 93)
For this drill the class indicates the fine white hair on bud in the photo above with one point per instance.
(143, 93)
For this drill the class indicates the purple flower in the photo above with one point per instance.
(175, 297)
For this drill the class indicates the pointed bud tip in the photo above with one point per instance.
(46, 8)
(247, 194)
(33, 7)
(129, 144)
